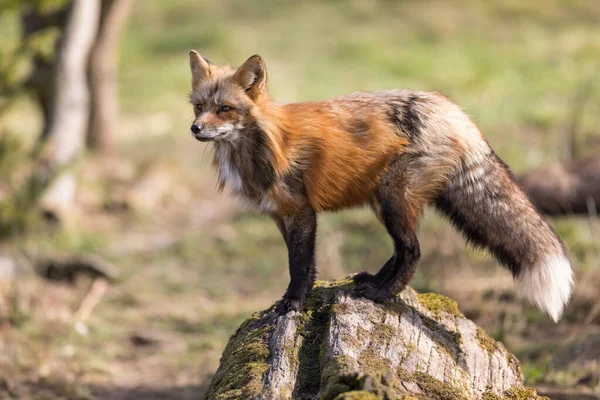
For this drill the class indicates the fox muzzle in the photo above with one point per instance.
(201, 134)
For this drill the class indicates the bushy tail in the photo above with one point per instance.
(484, 202)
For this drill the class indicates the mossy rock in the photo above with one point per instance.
(417, 346)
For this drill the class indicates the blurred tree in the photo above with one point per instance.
(103, 76)
(69, 116)
(43, 34)
(70, 108)
(43, 18)
(38, 20)
(65, 55)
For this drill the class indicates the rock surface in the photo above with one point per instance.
(418, 346)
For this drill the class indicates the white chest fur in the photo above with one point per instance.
(228, 171)
(230, 177)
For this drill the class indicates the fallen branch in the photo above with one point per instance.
(89, 302)
(68, 267)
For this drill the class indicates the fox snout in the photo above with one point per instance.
(205, 133)
(197, 132)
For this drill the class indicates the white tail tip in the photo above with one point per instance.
(548, 285)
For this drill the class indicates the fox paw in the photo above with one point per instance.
(371, 292)
(287, 305)
(363, 277)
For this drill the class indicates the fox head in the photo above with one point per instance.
(223, 98)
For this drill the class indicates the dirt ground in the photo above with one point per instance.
(190, 267)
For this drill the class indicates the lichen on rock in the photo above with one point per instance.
(418, 346)
(247, 355)
(438, 304)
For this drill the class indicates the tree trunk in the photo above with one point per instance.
(103, 74)
(40, 80)
(70, 111)
(70, 115)
(343, 347)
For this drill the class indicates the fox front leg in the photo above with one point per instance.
(299, 232)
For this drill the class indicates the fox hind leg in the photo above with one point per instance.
(365, 277)
(375, 279)
(399, 209)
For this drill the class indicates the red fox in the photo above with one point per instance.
(393, 150)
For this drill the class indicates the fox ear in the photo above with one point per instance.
(252, 76)
(200, 67)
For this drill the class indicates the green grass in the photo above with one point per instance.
(516, 69)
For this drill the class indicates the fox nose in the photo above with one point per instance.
(196, 128)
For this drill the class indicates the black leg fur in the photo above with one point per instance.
(376, 279)
(399, 213)
(299, 232)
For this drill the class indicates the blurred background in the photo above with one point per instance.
(123, 272)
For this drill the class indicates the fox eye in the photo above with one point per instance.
(226, 108)
(198, 107)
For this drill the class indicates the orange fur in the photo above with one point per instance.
(342, 153)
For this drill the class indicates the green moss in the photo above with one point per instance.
(384, 333)
(438, 304)
(521, 393)
(435, 389)
(381, 334)
(485, 341)
(514, 363)
(371, 362)
(404, 375)
(378, 380)
(314, 331)
(342, 284)
(490, 396)
(337, 366)
(346, 337)
(410, 349)
(370, 386)
(244, 362)
(291, 352)
(320, 283)
(339, 308)
(358, 395)
(341, 383)
(363, 335)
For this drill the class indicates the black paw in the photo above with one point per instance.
(371, 292)
(363, 277)
(287, 305)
